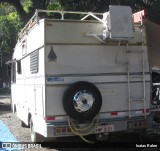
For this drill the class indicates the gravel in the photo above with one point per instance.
(13, 123)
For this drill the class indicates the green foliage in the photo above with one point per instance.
(151, 6)
(8, 34)
(55, 5)
(82, 5)
(9, 26)
(27, 5)
(5, 9)
(12, 20)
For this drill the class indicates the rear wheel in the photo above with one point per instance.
(35, 137)
(23, 124)
(13, 107)
(156, 117)
(82, 101)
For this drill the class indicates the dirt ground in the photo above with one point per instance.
(23, 134)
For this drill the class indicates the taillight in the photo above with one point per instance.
(114, 113)
(50, 118)
(147, 110)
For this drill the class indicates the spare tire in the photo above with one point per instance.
(82, 101)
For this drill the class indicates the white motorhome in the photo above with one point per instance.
(91, 75)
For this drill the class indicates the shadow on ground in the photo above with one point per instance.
(5, 108)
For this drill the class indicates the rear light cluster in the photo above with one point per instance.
(62, 130)
(53, 118)
(50, 118)
(125, 113)
(147, 110)
(114, 113)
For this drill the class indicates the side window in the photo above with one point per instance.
(24, 47)
(34, 59)
(19, 68)
(13, 73)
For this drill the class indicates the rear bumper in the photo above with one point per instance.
(61, 129)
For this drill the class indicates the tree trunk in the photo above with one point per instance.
(19, 8)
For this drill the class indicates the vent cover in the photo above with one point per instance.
(34, 61)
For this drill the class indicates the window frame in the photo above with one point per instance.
(19, 67)
(13, 72)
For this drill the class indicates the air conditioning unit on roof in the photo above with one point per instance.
(118, 23)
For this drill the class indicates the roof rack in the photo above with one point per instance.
(35, 19)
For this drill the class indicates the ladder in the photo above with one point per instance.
(140, 76)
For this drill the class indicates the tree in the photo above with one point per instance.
(21, 10)
(152, 6)
(18, 4)
(7, 35)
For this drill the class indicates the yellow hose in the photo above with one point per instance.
(82, 129)
(77, 131)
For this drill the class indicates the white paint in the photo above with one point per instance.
(79, 58)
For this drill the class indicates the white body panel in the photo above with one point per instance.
(78, 58)
(73, 59)
(113, 96)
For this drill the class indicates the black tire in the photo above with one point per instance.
(89, 95)
(156, 117)
(13, 107)
(23, 124)
(35, 137)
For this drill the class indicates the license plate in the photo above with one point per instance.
(138, 124)
(104, 128)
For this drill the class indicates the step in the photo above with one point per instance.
(134, 100)
(135, 51)
(136, 76)
(134, 115)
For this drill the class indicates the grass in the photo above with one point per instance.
(4, 91)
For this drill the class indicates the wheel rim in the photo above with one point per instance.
(83, 101)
